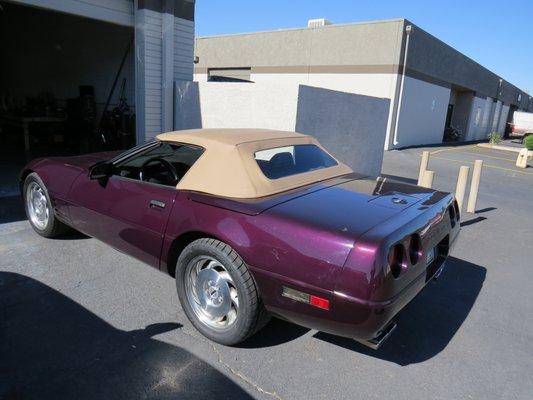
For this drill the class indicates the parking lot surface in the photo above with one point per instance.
(80, 320)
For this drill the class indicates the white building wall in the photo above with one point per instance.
(376, 85)
(380, 85)
(352, 126)
(243, 105)
(422, 113)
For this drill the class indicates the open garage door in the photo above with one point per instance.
(67, 84)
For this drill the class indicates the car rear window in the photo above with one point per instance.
(291, 160)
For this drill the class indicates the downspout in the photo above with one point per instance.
(408, 30)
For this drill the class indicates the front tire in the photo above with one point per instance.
(218, 293)
(39, 209)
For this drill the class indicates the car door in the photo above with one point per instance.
(124, 211)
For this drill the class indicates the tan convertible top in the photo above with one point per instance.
(228, 168)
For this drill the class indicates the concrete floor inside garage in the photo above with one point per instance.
(80, 320)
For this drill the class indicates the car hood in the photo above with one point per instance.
(86, 160)
(351, 208)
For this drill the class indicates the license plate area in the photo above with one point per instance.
(440, 252)
(430, 255)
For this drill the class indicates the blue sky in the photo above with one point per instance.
(496, 34)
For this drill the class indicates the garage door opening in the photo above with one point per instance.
(67, 85)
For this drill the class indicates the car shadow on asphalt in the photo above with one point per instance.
(430, 321)
(276, 332)
(53, 348)
(11, 209)
(473, 221)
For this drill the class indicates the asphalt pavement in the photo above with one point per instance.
(81, 320)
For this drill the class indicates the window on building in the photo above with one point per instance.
(229, 75)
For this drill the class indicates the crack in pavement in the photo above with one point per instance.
(233, 371)
(241, 376)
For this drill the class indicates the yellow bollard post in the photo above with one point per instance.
(423, 166)
(474, 186)
(460, 188)
(427, 179)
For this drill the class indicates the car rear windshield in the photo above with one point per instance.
(291, 160)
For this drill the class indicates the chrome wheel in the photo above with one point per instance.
(211, 293)
(37, 205)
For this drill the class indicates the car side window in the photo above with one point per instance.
(164, 164)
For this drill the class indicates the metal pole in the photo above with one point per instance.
(474, 186)
(423, 166)
(408, 30)
(110, 95)
(460, 188)
(427, 180)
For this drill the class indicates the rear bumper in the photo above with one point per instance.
(351, 317)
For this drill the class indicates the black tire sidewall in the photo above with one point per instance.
(242, 327)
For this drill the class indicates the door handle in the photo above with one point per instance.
(157, 204)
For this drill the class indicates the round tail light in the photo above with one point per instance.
(415, 249)
(395, 260)
(453, 218)
(457, 211)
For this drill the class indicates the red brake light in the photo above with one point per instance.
(307, 298)
(319, 302)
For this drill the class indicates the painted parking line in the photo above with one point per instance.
(484, 165)
(513, 160)
(450, 149)
(471, 149)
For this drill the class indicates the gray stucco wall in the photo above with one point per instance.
(368, 44)
(430, 58)
(352, 126)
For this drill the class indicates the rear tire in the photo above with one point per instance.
(218, 293)
(39, 209)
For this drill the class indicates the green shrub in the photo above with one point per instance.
(494, 138)
(528, 142)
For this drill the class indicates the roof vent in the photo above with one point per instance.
(318, 22)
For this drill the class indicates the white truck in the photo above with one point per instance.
(522, 124)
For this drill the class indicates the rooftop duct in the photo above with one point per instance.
(318, 22)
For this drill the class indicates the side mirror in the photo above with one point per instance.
(101, 170)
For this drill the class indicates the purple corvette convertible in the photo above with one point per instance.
(253, 223)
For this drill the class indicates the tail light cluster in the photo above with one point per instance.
(402, 255)
(457, 211)
(453, 210)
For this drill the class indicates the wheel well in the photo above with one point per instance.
(23, 175)
(179, 244)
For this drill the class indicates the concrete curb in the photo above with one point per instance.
(499, 147)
